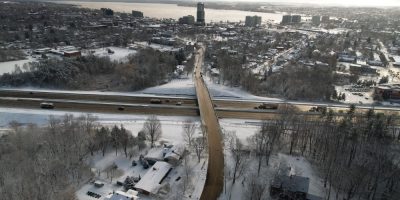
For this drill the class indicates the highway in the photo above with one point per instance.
(214, 181)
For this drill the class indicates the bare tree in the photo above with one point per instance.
(199, 146)
(115, 138)
(103, 139)
(239, 158)
(189, 129)
(152, 129)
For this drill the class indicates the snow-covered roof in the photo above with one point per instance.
(175, 152)
(129, 195)
(155, 154)
(150, 182)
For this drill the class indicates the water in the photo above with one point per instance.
(158, 10)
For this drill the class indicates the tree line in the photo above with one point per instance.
(355, 153)
(145, 69)
(50, 162)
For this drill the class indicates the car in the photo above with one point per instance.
(46, 105)
(179, 103)
(265, 106)
(121, 108)
(155, 101)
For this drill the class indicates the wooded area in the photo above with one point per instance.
(145, 69)
(355, 154)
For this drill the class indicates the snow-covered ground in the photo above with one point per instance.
(355, 97)
(299, 165)
(177, 87)
(9, 67)
(172, 133)
(40, 117)
(156, 46)
(120, 54)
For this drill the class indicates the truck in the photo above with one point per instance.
(265, 106)
(155, 101)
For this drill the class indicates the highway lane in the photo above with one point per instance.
(110, 97)
(100, 107)
(215, 172)
(187, 101)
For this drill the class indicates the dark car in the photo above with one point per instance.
(46, 105)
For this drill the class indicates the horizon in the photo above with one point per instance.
(336, 3)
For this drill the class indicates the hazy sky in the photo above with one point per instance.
(370, 3)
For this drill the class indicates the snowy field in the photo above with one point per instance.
(120, 54)
(159, 47)
(41, 117)
(9, 67)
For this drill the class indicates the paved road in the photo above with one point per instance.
(214, 181)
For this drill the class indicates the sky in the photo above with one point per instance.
(369, 3)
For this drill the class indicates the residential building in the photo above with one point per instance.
(316, 20)
(253, 21)
(186, 20)
(296, 19)
(286, 19)
(388, 91)
(151, 181)
(137, 14)
(325, 19)
(119, 195)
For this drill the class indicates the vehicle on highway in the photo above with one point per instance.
(179, 103)
(121, 108)
(320, 109)
(46, 105)
(155, 101)
(265, 106)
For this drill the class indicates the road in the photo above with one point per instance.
(214, 182)
(172, 100)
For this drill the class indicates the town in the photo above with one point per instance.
(99, 103)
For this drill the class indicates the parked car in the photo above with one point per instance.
(46, 105)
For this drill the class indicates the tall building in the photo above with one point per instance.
(296, 19)
(316, 20)
(253, 21)
(286, 19)
(325, 19)
(137, 14)
(186, 20)
(200, 14)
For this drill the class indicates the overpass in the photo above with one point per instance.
(214, 181)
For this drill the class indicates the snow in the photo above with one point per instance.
(150, 182)
(120, 54)
(9, 67)
(162, 48)
(300, 166)
(355, 97)
(177, 87)
(170, 124)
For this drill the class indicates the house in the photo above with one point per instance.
(119, 195)
(72, 54)
(290, 187)
(171, 154)
(151, 181)
(388, 91)
(174, 154)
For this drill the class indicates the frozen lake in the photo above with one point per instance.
(158, 10)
